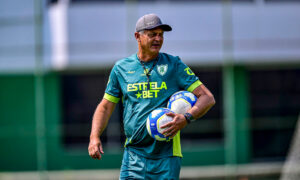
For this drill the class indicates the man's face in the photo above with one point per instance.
(151, 40)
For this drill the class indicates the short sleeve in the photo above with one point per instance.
(186, 77)
(113, 90)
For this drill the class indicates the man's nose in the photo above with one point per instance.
(158, 37)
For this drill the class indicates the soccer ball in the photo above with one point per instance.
(182, 101)
(155, 120)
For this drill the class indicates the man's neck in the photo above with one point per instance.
(146, 57)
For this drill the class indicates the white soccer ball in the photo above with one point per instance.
(155, 120)
(181, 101)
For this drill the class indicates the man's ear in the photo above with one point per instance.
(137, 36)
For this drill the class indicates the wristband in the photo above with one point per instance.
(189, 118)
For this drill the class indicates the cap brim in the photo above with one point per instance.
(164, 27)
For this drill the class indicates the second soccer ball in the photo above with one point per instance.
(181, 101)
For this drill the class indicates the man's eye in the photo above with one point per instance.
(152, 35)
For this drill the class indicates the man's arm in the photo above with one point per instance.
(204, 102)
(99, 123)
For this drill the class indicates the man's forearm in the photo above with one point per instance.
(205, 101)
(203, 104)
(101, 117)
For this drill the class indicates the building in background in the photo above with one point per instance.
(247, 52)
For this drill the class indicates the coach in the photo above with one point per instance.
(143, 82)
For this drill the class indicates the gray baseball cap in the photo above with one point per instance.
(151, 21)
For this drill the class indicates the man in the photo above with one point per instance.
(144, 82)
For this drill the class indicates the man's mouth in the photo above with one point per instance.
(155, 45)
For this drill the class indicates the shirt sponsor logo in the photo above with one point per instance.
(143, 92)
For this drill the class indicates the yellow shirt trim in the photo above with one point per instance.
(177, 145)
(111, 98)
(194, 86)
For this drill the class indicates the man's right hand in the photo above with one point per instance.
(95, 148)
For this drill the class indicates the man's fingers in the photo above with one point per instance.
(170, 114)
(95, 151)
(97, 155)
(168, 129)
(166, 125)
(169, 123)
(171, 132)
(101, 149)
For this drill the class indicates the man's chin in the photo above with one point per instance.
(155, 50)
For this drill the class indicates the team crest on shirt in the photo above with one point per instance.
(162, 69)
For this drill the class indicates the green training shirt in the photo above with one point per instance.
(128, 82)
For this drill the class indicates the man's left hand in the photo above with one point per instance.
(178, 123)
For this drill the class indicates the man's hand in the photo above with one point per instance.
(95, 148)
(178, 123)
